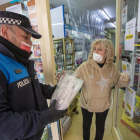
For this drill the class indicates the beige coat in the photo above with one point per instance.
(96, 90)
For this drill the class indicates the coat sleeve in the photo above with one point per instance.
(47, 90)
(117, 78)
(80, 71)
(18, 125)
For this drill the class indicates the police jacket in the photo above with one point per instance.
(23, 107)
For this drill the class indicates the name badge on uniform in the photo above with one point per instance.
(18, 71)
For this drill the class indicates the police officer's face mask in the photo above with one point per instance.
(23, 45)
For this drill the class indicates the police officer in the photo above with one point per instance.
(23, 108)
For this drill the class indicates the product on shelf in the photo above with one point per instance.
(64, 54)
(45, 135)
(37, 50)
(38, 66)
(66, 123)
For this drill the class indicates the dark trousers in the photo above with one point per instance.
(100, 124)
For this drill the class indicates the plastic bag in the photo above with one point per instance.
(66, 90)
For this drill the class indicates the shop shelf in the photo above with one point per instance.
(69, 64)
(60, 64)
(69, 68)
(137, 45)
(122, 43)
(34, 58)
(137, 74)
(69, 53)
(58, 54)
(72, 106)
(65, 59)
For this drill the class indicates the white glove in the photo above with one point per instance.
(125, 77)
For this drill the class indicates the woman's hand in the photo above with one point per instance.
(125, 77)
(58, 75)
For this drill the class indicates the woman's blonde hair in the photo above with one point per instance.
(107, 45)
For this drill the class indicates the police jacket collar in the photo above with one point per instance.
(12, 51)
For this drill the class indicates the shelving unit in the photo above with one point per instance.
(64, 54)
(64, 60)
(135, 56)
(34, 58)
(73, 106)
(107, 35)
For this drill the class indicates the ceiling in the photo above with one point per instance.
(109, 6)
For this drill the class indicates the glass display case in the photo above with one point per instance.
(64, 60)
(128, 114)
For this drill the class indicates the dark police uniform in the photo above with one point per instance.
(23, 113)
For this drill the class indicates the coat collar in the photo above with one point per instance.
(94, 64)
(12, 51)
(6, 52)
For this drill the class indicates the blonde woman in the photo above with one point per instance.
(98, 74)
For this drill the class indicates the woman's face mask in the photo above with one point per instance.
(97, 57)
(99, 53)
(23, 45)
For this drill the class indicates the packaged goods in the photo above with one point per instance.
(67, 88)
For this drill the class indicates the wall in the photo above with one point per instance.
(4, 6)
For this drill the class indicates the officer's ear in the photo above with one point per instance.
(5, 32)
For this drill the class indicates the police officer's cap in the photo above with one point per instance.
(19, 20)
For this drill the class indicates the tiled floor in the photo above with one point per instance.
(75, 130)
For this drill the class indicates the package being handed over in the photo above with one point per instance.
(67, 88)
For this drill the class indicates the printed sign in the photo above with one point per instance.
(126, 67)
(124, 14)
(32, 12)
(138, 28)
(130, 100)
(130, 35)
(15, 8)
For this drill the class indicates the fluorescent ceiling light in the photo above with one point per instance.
(57, 24)
(103, 12)
(114, 25)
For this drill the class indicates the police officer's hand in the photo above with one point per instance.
(56, 114)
